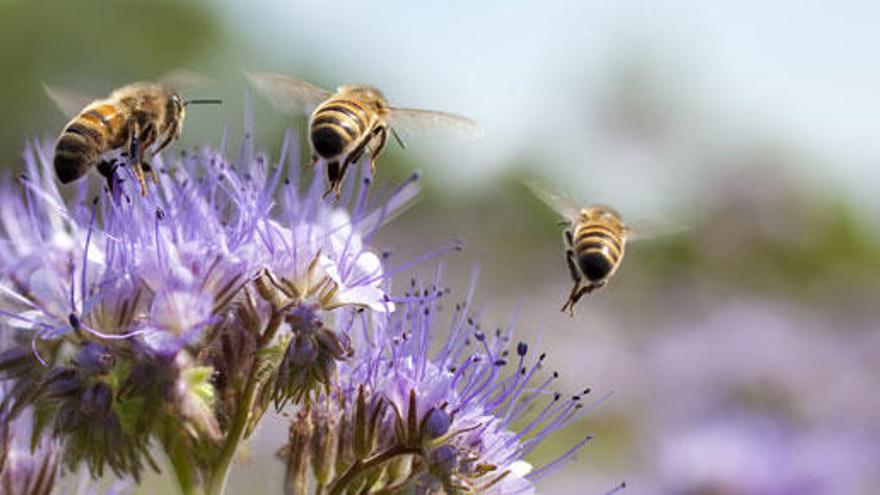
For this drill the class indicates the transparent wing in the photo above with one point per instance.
(559, 203)
(651, 227)
(69, 102)
(183, 79)
(287, 92)
(430, 121)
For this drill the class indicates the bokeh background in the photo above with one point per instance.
(742, 351)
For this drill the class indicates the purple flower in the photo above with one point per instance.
(754, 454)
(122, 310)
(461, 419)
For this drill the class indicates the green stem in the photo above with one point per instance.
(362, 466)
(215, 484)
(182, 473)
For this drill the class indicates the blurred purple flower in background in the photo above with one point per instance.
(774, 404)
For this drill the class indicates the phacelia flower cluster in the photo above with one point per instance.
(406, 419)
(174, 321)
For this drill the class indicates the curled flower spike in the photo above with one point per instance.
(309, 362)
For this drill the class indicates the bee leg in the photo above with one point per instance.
(151, 172)
(107, 170)
(168, 138)
(334, 178)
(575, 296)
(136, 155)
(314, 160)
(381, 134)
(576, 276)
(141, 140)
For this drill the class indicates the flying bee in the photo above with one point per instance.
(352, 122)
(595, 239)
(139, 119)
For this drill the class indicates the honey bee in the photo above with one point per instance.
(350, 123)
(595, 239)
(138, 119)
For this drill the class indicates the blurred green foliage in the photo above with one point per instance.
(91, 46)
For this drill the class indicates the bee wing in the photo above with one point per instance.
(430, 121)
(71, 103)
(289, 93)
(183, 79)
(651, 227)
(559, 203)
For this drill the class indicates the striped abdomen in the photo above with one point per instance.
(85, 138)
(338, 126)
(599, 249)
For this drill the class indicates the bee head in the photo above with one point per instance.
(176, 112)
(176, 103)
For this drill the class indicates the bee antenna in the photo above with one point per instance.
(397, 138)
(215, 101)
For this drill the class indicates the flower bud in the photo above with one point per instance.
(298, 454)
(435, 424)
(324, 444)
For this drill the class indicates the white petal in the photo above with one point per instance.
(330, 268)
(368, 263)
(520, 468)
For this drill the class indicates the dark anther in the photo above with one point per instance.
(555, 374)
(480, 336)
(286, 181)
(73, 320)
(542, 356)
(586, 391)
(500, 362)
(367, 181)
(470, 321)
(160, 213)
(557, 396)
(95, 200)
(522, 348)
(575, 398)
